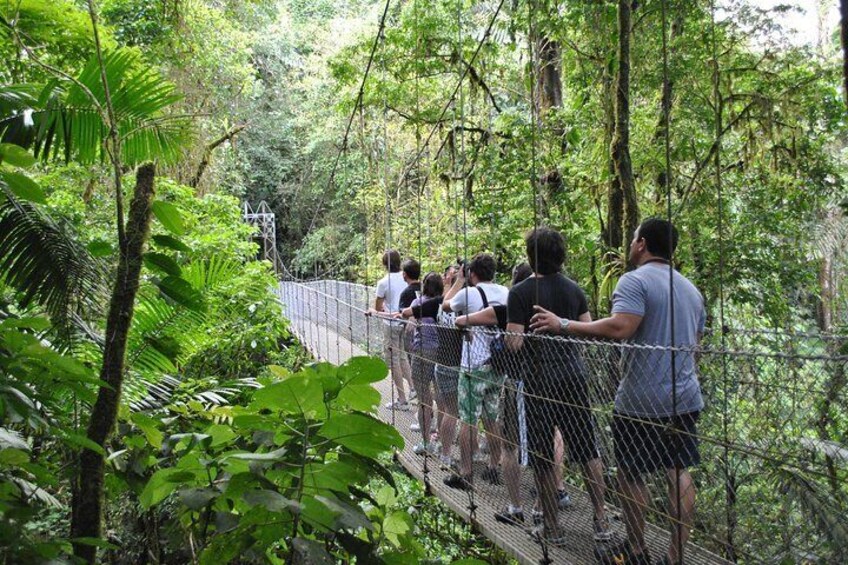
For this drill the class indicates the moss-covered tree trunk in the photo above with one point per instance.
(620, 148)
(844, 11)
(87, 505)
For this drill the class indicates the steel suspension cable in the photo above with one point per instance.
(729, 488)
(467, 68)
(666, 110)
(359, 97)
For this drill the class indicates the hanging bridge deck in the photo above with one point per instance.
(336, 339)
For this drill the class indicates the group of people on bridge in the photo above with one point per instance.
(485, 353)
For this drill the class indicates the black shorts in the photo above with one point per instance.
(647, 445)
(563, 404)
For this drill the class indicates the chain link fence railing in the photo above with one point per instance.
(769, 474)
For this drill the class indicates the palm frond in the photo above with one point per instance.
(54, 119)
(44, 261)
(165, 334)
(161, 335)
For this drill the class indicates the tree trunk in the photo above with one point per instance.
(548, 96)
(549, 81)
(87, 504)
(620, 148)
(844, 10)
(612, 236)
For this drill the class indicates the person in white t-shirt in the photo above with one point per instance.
(479, 386)
(386, 305)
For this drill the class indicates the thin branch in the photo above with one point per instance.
(207, 153)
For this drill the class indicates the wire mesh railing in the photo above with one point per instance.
(769, 474)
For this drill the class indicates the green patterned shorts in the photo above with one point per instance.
(479, 395)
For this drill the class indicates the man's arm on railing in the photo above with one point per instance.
(618, 326)
(485, 317)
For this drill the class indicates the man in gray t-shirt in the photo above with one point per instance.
(646, 391)
(656, 408)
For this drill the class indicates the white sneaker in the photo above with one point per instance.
(397, 405)
(416, 427)
(412, 395)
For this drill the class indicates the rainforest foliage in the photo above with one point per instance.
(154, 406)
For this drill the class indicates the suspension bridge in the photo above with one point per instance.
(759, 421)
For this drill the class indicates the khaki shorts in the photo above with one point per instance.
(393, 343)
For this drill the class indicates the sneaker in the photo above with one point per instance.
(459, 482)
(398, 405)
(412, 395)
(491, 475)
(538, 517)
(621, 553)
(423, 447)
(563, 499)
(556, 541)
(416, 427)
(445, 462)
(602, 530)
(510, 515)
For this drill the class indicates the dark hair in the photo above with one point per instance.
(412, 269)
(483, 265)
(520, 272)
(432, 285)
(548, 245)
(660, 237)
(391, 260)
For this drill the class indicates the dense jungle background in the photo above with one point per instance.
(154, 406)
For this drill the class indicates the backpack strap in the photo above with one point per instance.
(483, 296)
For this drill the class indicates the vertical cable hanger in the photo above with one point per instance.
(534, 125)
(534, 181)
(677, 524)
(460, 167)
(384, 181)
(729, 487)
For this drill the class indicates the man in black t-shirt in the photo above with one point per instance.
(555, 380)
(411, 271)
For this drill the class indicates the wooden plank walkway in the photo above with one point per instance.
(328, 345)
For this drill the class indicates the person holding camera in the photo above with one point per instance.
(479, 387)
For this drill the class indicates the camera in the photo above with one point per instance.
(464, 266)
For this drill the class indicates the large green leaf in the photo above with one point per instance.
(170, 242)
(169, 216)
(364, 398)
(362, 434)
(15, 155)
(363, 370)
(181, 292)
(162, 263)
(159, 487)
(298, 394)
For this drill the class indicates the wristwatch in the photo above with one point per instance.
(563, 325)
